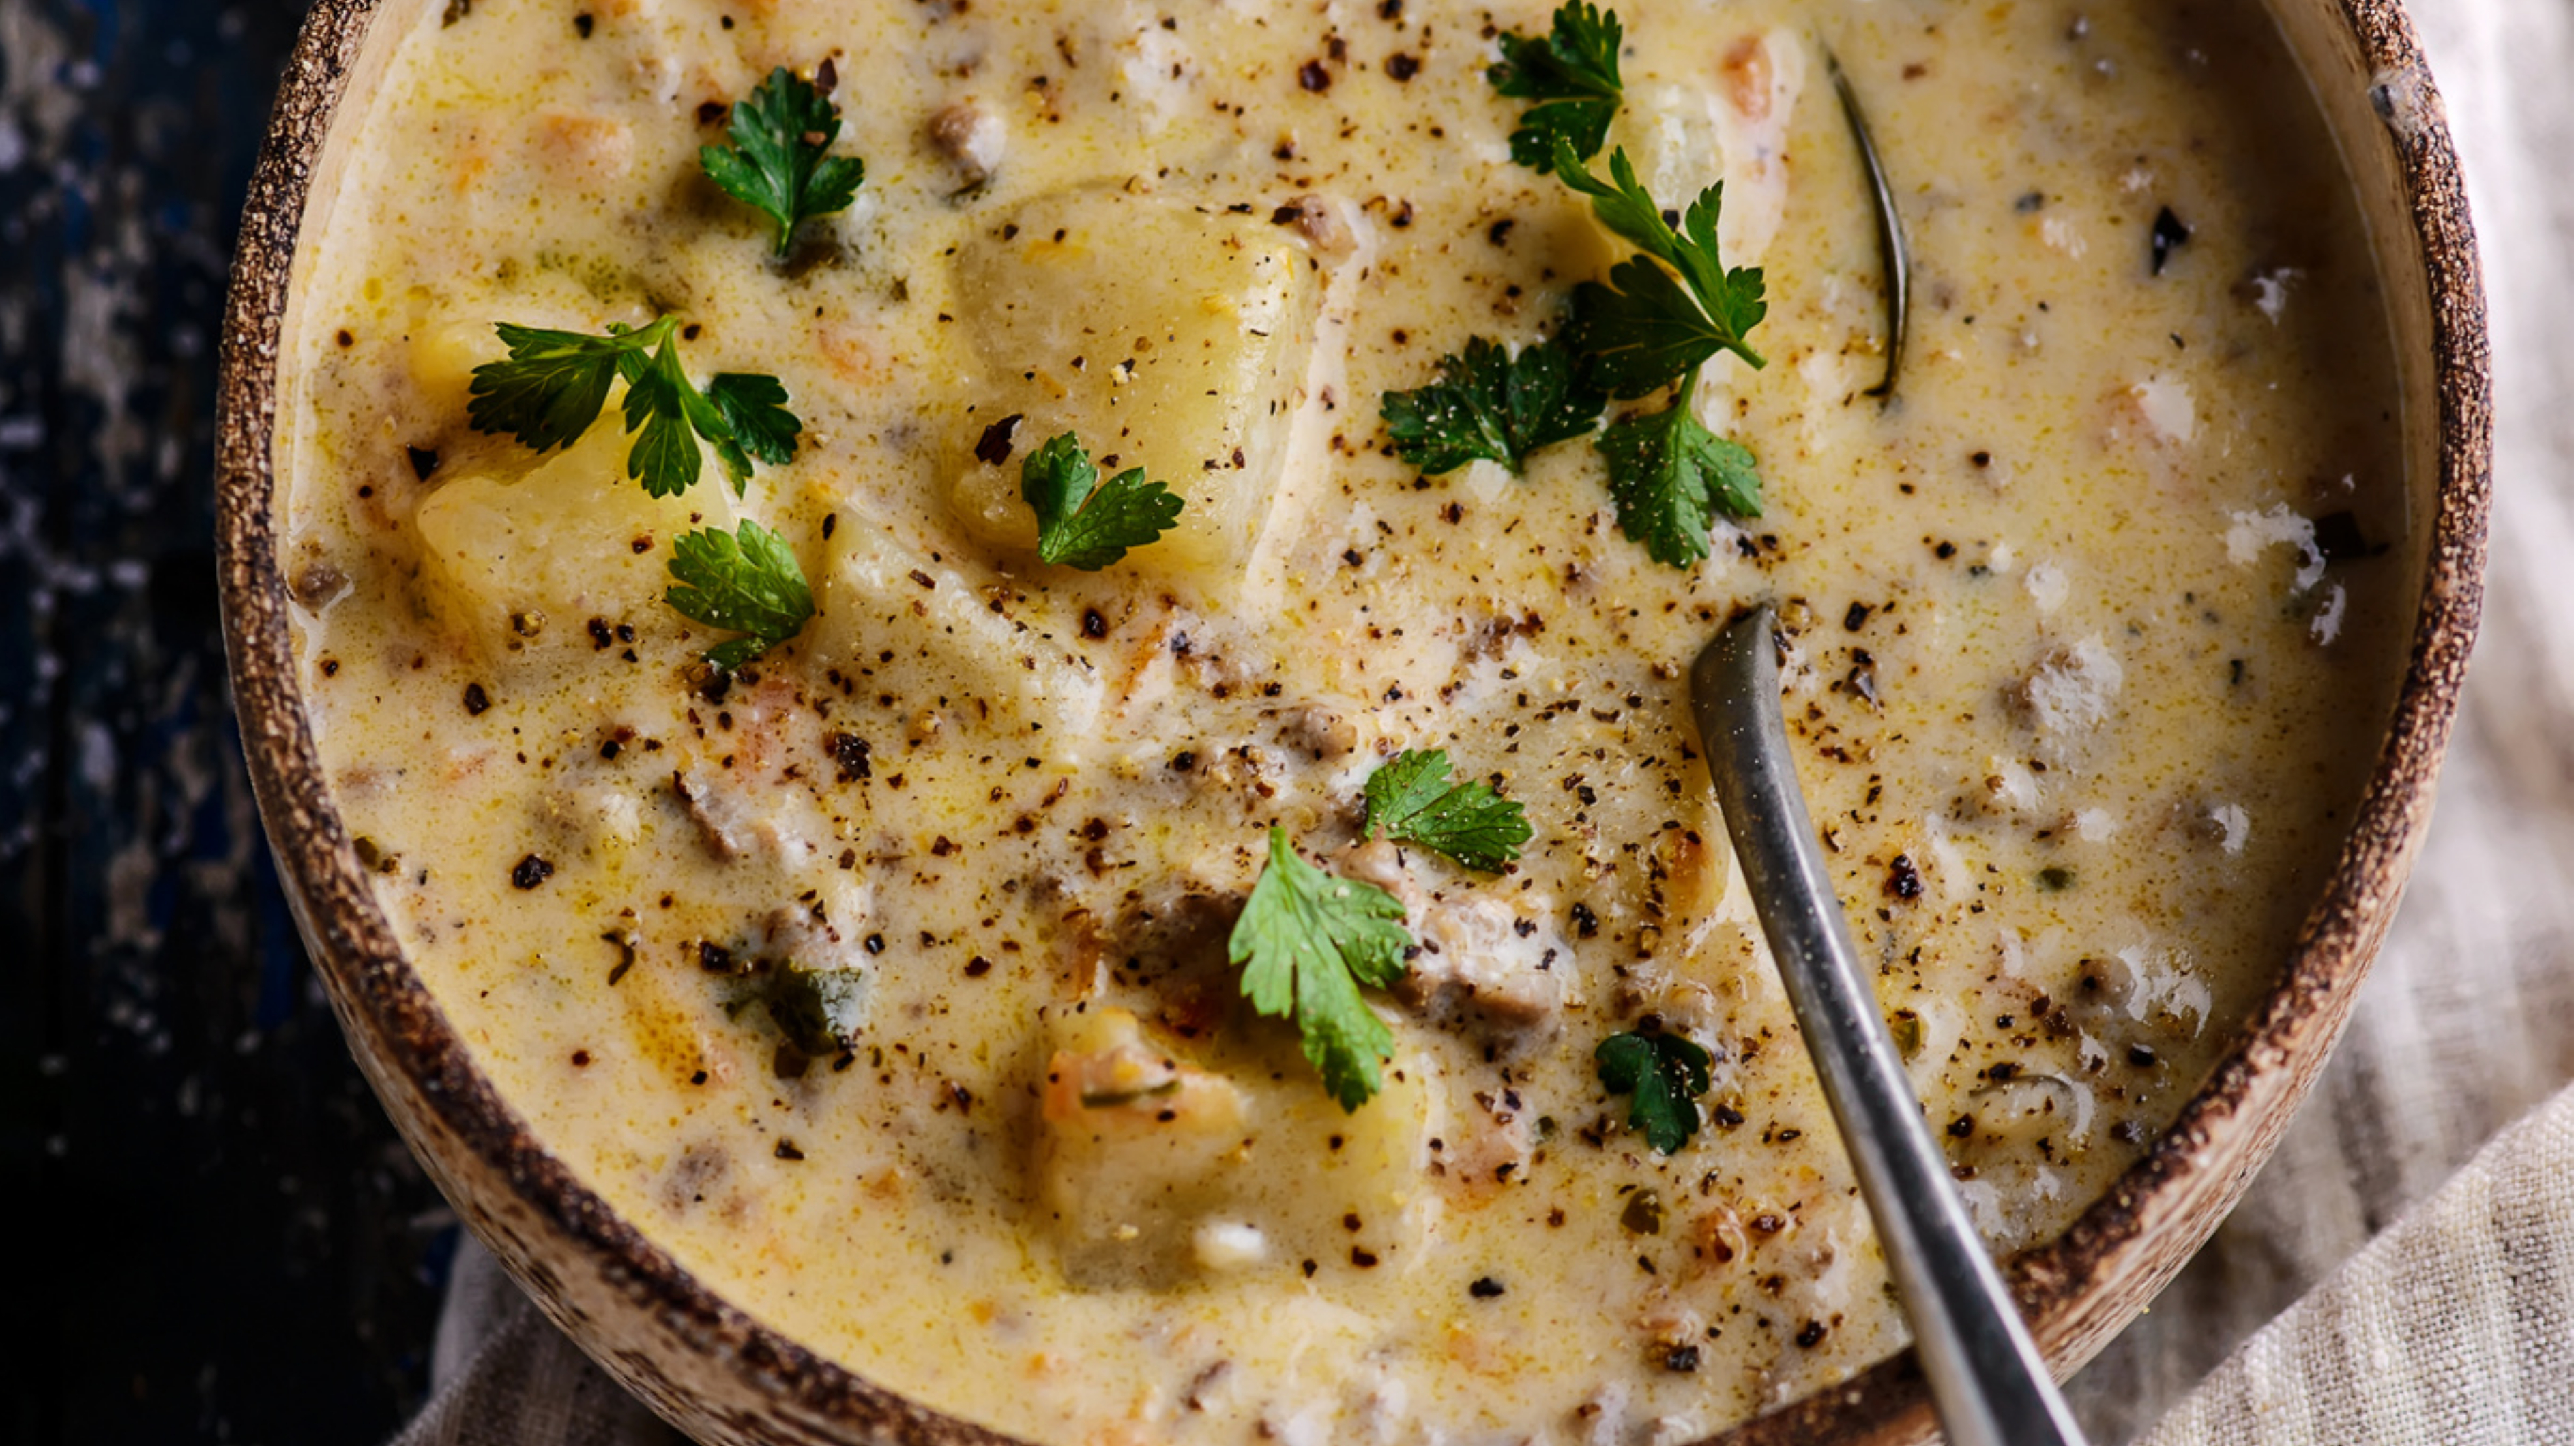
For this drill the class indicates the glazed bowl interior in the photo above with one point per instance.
(725, 1378)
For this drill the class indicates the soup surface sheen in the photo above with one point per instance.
(2086, 635)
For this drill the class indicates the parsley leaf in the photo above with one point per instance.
(1411, 800)
(745, 582)
(1081, 521)
(1308, 941)
(667, 415)
(777, 165)
(552, 387)
(1573, 72)
(1663, 316)
(1490, 404)
(1646, 328)
(754, 408)
(1641, 331)
(554, 384)
(1664, 1075)
(1670, 477)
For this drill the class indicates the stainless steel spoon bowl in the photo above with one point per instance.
(1989, 1385)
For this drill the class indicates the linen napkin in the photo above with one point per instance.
(2452, 1326)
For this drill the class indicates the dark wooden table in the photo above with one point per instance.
(219, 1237)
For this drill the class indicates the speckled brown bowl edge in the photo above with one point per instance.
(726, 1379)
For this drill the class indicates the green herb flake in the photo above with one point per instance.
(754, 409)
(746, 582)
(1492, 405)
(778, 164)
(1663, 1075)
(1308, 942)
(818, 1010)
(1670, 479)
(1573, 74)
(1083, 522)
(1658, 318)
(1411, 800)
(553, 385)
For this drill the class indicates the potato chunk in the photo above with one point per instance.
(898, 621)
(1153, 1167)
(1165, 337)
(523, 560)
(1136, 1148)
(446, 338)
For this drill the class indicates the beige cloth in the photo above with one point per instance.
(504, 1376)
(2452, 1327)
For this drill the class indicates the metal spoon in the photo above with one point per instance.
(1988, 1383)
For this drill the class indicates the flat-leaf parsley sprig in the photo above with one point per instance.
(1650, 328)
(779, 164)
(1663, 1074)
(552, 386)
(1670, 478)
(1573, 74)
(1307, 943)
(746, 581)
(1492, 405)
(1411, 800)
(1084, 522)
(1662, 316)
(1645, 329)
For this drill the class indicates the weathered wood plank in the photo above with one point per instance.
(228, 1242)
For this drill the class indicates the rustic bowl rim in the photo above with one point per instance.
(2077, 1290)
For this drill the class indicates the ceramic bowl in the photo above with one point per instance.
(724, 1378)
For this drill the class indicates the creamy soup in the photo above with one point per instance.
(885, 979)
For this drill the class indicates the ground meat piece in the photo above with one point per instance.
(1479, 955)
(1476, 954)
(969, 138)
(1318, 732)
(698, 1173)
(800, 934)
(1171, 946)
(318, 583)
(2213, 821)
(728, 821)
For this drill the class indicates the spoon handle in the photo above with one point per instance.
(1989, 1385)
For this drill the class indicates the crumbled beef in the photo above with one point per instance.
(970, 139)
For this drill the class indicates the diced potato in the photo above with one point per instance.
(443, 356)
(1163, 336)
(1143, 1152)
(1684, 139)
(897, 620)
(1135, 1149)
(524, 562)
(446, 345)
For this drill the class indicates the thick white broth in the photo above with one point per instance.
(2084, 661)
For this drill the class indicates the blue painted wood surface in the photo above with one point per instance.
(216, 1235)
